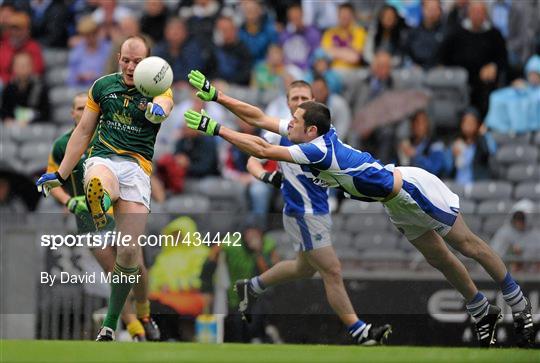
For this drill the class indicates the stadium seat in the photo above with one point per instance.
(191, 204)
(509, 154)
(31, 151)
(386, 254)
(537, 138)
(33, 132)
(455, 187)
(494, 207)
(450, 94)
(280, 236)
(62, 96)
(367, 223)
(509, 139)
(369, 240)
(55, 57)
(493, 223)
(8, 151)
(523, 172)
(224, 194)
(342, 239)
(350, 206)
(489, 190)
(407, 78)
(528, 190)
(57, 76)
(62, 115)
(467, 206)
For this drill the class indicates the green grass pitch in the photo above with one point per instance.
(86, 352)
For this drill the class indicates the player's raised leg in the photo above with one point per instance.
(437, 254)
(462, 239)
(101, 190)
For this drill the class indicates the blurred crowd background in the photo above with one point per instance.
(449, 86)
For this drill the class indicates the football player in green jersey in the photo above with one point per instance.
(117, 172)
(72, 196)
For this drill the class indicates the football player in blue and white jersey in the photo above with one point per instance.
(306, 217)
(419, 204)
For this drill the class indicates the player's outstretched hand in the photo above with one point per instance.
(77, 205)
(274, 178)
(155, 113)
(206, 91)
(48, 181)
(202, 122)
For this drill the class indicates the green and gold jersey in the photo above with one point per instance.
(123, 129)
(74, 185)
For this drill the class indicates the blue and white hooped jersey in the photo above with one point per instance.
(335, 164)
(300, 195)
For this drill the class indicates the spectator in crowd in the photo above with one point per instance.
(378, 81)
(10, 203)
(421, 149)
(50, 20)
(108, 15)
(258, 30)
(273, 74)
(25, 97)
(389, 34)
(341, 112)
(88, 58)
(197, 154)
(232, 60)
(321, 67)
(257, 254)
(259, 194)
(457, 14)
(516, 109)
(298, 40)
(472, 149)
(16, 40)
(128, 27)
(423, 42)
(179, 51)
(380, 141)
(152, 20)
(201, 17)
(175, 281)
(6, 12)
(321, 14)
(345, 42)
(479, 48)
(518, 238)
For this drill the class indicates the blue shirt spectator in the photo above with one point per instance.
(258, 31)
(182, 54)
(88, 58)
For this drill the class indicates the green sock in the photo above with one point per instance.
(119, 293)
(106, 201)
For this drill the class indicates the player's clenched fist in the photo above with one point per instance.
(207, 92)
(202, 122)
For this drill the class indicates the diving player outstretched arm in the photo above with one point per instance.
(253, 145)
(248, 113)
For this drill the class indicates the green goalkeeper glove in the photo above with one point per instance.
(77, 205)
(202, 122)
(207, 92)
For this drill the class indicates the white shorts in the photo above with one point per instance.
(423, 204)
(308, 231)
(133, 182)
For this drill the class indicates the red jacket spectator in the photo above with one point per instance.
(17, 39)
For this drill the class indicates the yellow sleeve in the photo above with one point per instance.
(167, 93)
(326, 41)
(359, 39)
(91, 104)
(52, 166)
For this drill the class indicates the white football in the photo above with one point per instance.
(153, 76)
